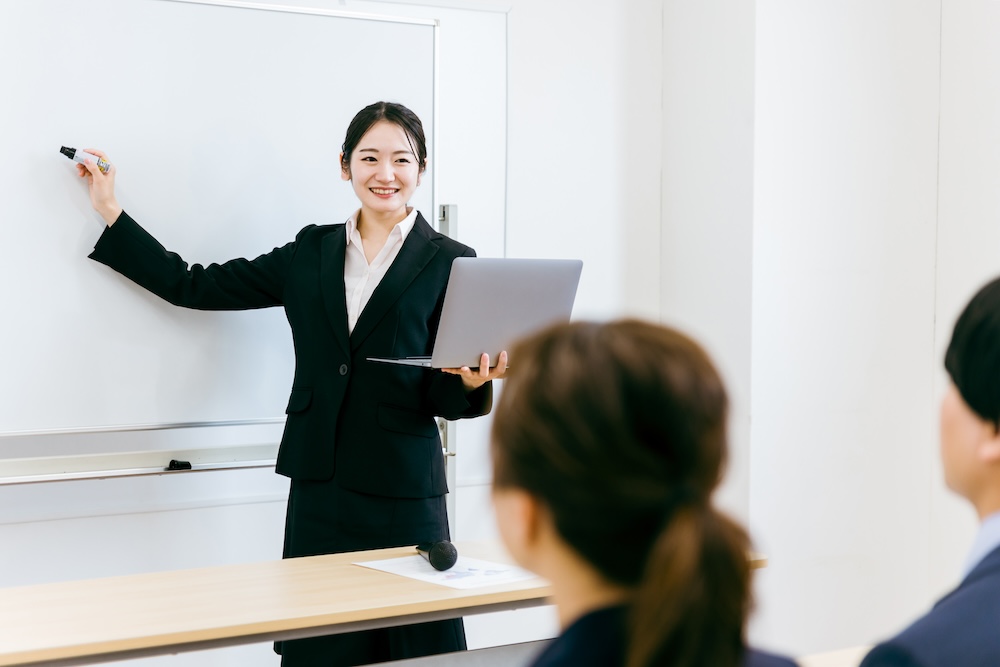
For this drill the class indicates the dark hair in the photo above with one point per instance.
(973, 356)
(619, 429)
(394, 113)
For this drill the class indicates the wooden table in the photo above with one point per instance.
(100, 620)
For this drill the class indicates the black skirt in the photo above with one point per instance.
(323, 518)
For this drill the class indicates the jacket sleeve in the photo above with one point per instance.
(239, 284)
(447, 398)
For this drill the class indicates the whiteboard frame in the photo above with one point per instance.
(340, 13)
(98, 466)
(474, 5)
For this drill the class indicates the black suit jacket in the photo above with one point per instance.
(369, 425)
(598, 639)
(963, 628)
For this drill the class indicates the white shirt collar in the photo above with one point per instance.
(403, 226)
(987, 539)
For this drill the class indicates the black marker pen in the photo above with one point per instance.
(80, 156)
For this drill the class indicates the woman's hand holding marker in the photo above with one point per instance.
(101, 185)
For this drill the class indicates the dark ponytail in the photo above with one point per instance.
(619, 429)
(690, 607)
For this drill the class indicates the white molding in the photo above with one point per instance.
(132, 464)
(486, 6)
(120, 428)
(340, 13)
(147, 508)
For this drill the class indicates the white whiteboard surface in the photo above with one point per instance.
(225, 123)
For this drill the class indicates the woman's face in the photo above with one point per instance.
(383, 170)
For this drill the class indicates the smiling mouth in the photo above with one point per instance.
(384, 191)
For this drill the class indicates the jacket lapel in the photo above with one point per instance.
(332, 257)
(417, 251)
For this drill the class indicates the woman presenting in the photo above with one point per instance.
(360, 442)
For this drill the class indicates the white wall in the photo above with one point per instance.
(968, 230)
(874, 149)
(707, 200)
(583, 175)
(843, 314)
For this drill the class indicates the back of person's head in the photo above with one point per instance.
(619, 431)
(973, 356)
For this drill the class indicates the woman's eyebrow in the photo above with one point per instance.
(375, 150)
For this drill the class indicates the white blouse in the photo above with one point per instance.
(360, 277)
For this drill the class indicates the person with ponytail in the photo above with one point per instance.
(607, 443)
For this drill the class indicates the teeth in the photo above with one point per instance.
(384, 191)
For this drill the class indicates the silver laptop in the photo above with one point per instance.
(492, 302)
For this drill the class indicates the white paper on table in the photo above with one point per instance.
(465, 573)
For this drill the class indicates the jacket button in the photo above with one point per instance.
(343, 369)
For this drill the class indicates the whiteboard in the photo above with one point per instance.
(225, 122)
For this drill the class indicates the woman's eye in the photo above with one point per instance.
(368, 158)
(404, 160)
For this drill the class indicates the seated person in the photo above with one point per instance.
(607, 443)
(963, 629)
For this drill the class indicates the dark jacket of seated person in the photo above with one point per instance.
(598, 640)
(608, 441)
(963, 628)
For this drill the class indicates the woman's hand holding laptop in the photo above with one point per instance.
(474, 379)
